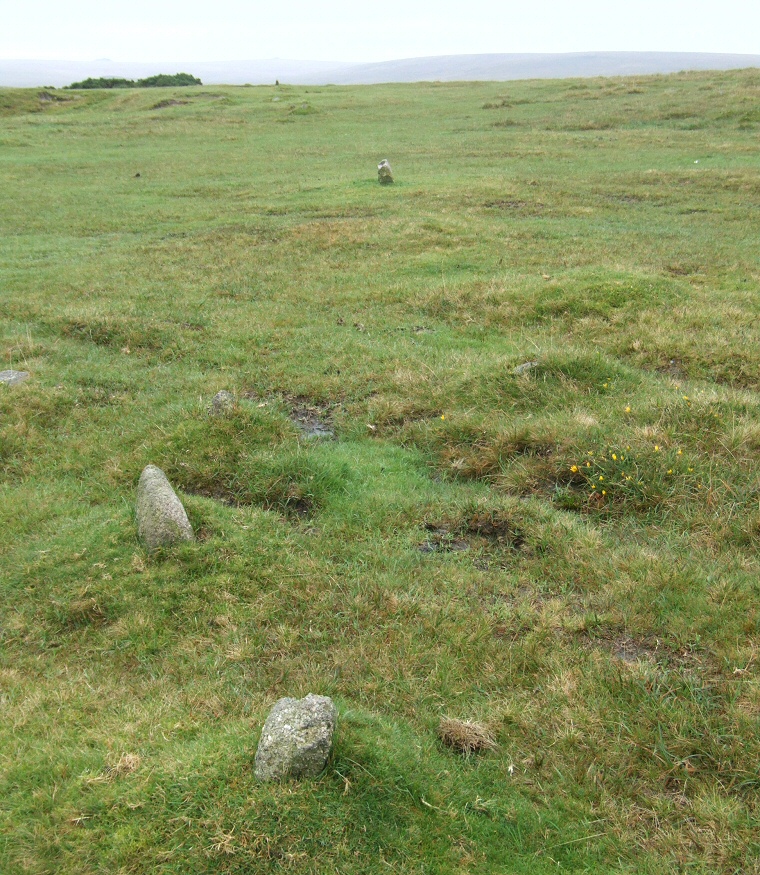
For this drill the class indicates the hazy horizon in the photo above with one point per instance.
(461, 67)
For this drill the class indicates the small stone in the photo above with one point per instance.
(524, 368)
(11, 378)
(296, 739)
(161, 518)
(384, 173)
(222, 403)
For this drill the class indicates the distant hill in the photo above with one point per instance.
(445, 68)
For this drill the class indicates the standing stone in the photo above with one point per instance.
(10, 378)
(222, 403)
(161, 518)
(296, 739)
(384, 173)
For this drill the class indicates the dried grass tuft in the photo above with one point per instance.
(465, 737)
(128, 763)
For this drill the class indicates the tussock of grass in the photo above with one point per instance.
(464, 736)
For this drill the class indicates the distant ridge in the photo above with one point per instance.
(444, 68)
(448, 68)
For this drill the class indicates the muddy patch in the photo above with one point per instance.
(506, 205)
(296, 506)
(495, 529)
(484, 532)
(673, 368)
(655, 652)
(290, 500)
(516, 206)
(678, 268)
(313, 421)
(162, 104)
(632, 651)
(442, 538)
(217, 492)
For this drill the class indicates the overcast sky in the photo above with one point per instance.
(347, 30)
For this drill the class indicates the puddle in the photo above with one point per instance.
(310, 420)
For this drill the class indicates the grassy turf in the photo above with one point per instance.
(566, 555)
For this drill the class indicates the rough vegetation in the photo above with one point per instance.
(393, 512)
(161, 80)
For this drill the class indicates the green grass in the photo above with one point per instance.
(567, 556)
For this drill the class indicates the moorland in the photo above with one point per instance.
(493, 458)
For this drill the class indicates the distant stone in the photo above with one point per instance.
(10, 378)
(384, 173)
(296, 739)
(524, 368)
(222, 403)
(161, 518)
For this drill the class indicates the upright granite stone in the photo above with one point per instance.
(161, 518)
(296, 739)
(384, 173)
(10, 378)
(222, 403)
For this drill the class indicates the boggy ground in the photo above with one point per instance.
(564, 555)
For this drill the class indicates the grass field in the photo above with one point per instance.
(567, 555)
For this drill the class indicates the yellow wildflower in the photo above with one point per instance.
(574, 469)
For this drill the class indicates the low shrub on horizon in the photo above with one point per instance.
(161, 80)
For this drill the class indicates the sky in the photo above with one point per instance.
(352, 30)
